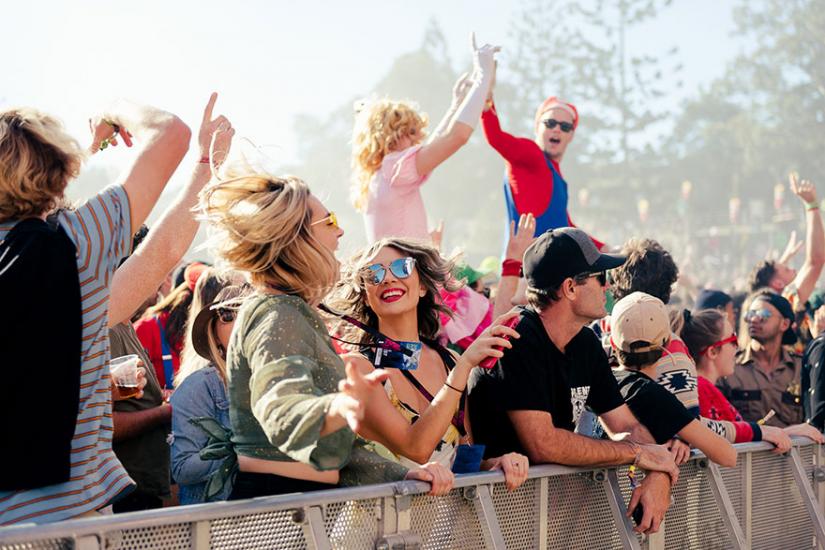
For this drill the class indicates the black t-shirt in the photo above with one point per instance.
(535, 375)
(654, 406)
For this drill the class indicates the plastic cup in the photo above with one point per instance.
(124, 372)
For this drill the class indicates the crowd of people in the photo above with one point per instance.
(283, 369)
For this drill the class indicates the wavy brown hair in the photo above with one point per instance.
(37, 161)
(263, 228)
(434, 272)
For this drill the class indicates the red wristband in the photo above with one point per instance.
(511, 268)
(204, 160)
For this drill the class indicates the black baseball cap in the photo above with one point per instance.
(564, 252)
(783, 306)
(711, 299)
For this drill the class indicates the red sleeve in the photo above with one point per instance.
(514, 150)
(597, 242)
(149, 336)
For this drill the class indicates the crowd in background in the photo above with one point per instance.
(282, 368)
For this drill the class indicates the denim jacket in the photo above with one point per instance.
(202, 394)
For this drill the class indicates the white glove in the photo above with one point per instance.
(483, 70)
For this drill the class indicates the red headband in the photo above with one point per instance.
(553, 102)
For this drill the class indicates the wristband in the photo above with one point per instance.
(204, 160)
(453, 387)
(511, 268)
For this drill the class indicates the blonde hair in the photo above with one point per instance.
(37, 161)
(263, 228)
(434, 273)
(380, 125)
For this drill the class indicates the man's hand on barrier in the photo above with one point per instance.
(654, 496)
(680, 450)
(804, 430)
(439, 477)
(657, 458)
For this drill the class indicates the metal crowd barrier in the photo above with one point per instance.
(766, 501)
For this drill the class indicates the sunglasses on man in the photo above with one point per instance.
(551, 123)
(600, 276)
(401, 268)
(761, 314)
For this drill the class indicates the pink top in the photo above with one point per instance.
(395, 207)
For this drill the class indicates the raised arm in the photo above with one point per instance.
(417, 441)
(170, 238)
(164, 138)
(445, 143)
(520, 239)
(805, 280)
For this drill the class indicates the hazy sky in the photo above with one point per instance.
(272, 60)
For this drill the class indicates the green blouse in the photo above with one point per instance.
(283, 373)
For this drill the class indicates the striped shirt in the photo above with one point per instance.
(100, 231)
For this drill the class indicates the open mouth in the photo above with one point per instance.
(392, 295)
(554, 141)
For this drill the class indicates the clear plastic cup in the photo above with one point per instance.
(124, 372)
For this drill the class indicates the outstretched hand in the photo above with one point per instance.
(804, 189)
(215, 135)
(356, 392)
(106, 132)
(521, 237)
(483, 57)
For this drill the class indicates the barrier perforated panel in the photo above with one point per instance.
(352, 524)
(580, 515)
(446, 522)
(267, 530)
(518, 514)
(172, 537)
(694, 520)
(780, 519)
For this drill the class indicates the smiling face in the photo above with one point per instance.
(394, 295)
(553, 141)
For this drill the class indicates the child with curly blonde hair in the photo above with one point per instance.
(391, 158)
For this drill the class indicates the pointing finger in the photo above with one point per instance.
(473, 40)
(207, 112)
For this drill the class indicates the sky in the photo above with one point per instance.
(271, 61)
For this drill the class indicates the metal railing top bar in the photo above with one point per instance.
(204, 512)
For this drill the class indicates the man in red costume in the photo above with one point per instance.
(533, 182)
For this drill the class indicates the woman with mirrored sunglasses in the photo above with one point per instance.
(200, 406)
(711, 341)
(293, 404)
(392, 156)
(393, 287)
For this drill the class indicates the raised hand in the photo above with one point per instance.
(437, 234)
(215, 135)
(105, 133)
(485, 345)
(804, 189)
(355, 392)
(461, 87)
(521, 237)
(484, 57)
